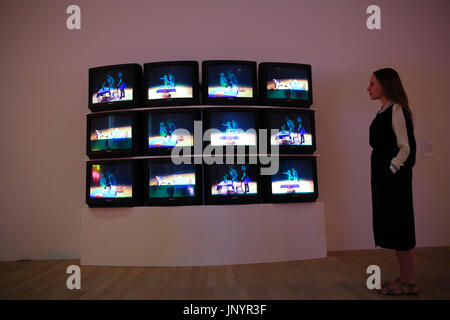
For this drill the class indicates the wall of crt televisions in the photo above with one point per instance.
(140, 117)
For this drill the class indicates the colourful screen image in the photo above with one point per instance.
(237, 179)
(167, 82)
(294, 176)
(287, 82)
(287, 89)
(230, 81)
(233, 129)
(111, 133)
(167, 180)
(112, 86)
(111, 181)
(170, 130)
(294, 130)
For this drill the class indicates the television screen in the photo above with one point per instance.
(296, 130)
(296, 180)
(285, 84)
(232, 127)
(232, 183)
(234, 180)
(229, 82)
(112, 183)
(114, 87)
(167, 129)
(169, 183)
(171, 83)
(112, 134)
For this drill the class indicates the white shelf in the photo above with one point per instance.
(202, 235)
(204, 107)
(198, 156)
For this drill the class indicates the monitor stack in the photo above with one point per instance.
(288, 88)
(156, 137)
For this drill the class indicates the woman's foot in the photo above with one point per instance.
(398, 288)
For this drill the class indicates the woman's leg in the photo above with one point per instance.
(406, 283)
(406, 264)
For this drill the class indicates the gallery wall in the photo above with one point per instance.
(43, 90)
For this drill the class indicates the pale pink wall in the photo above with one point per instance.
(43, 94)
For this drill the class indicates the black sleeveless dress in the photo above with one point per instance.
(392, 202)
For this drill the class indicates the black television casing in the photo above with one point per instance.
(137, 185)
(262, 86)
(232, 198)
(209, 112)
(173, 201)
(196, 114)
(136, 125)
(172, 101)
(228, 100)
(291, 149)
(295, 197)
(136, 71)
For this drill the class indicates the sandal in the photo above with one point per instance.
(388, 284)
(403, 288)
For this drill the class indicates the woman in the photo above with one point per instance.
(392, 160)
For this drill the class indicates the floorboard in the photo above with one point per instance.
(340, 276)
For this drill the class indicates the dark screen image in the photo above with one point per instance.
(111, 181)
(294, 176)
(165, 130)
(233, 127)
(230, 80)
(285, 82)
(112, 85)
(294, 129)
(167, 180)
(231, 180)
(173, 81)
(111, 133)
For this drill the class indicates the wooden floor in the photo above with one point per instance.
(342, 275)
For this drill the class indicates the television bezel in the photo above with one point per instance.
(172, 101)
(298, 149)
(117, 105)
(166, 150)
(173, 201)
(232, 199)
(206, 100)
(136, 133)
(207, 124)
(134, 201)
(262, 86)
(270, 198)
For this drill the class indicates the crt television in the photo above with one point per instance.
(173, 184)
(232, 183)
(285, 84)
(171, 83)
(114, 183)
(168, 128)
(113, 134)
(115, 87)
(229, 82)
(295, 181)
(231, 127)
(296, 130)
